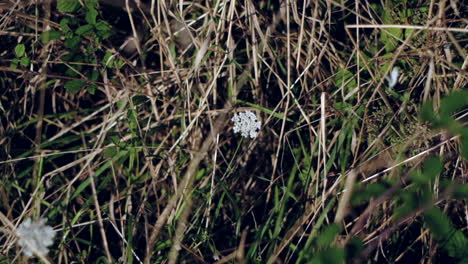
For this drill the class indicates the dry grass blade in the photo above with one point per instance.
(119, 121)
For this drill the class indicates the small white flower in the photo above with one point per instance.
(35, 236)
(246, 123)
(392, 78)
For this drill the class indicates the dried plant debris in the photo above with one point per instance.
(236, 131)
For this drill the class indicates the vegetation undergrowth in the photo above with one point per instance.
(233, 131)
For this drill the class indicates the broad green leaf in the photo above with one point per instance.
(91, 16)
(91, 88)
(118, 63)
(67, 6)
(110, 152)
(25, 61)
(72, 43)
(453, 102)
(93, 76)
(85, 29)
(427, 113)
(354, 248)
(64, 24)
(328, 235)
(461, 191)
(104, 30)
(345, 78)
(343, 107)
(14, 63)
(464, 145)
(432, 168)
(390, 38)
(20, 50)
(74, 86)
(437, 222)
(329, 255)
(457, 245)
(102, 25)
(453, 241)
(364, 193)
(417, 177)
(91, 3)
(108, 60)
(50, 35)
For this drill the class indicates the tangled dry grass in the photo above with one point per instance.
(115, 125)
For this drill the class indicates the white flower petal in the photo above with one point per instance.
(35, 236)
(392, 78)
(246, 123)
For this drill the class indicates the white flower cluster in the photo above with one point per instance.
(35, 236)
(246, 123)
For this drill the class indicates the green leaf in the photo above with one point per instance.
(456, 245)
(110, 152)
(464, 145)
(354, 248)
(104, 30)
(102, 25)
(410, 200)
(85, 29)
(20, 50)
(13, 64)
(386, 67)
(72, 43)
(172, 50)
(64, 24)
(48, 83)
(364, 193)
(461, 191)
(408, 32)
(50, 35)
(329, 255)
(453, 102)
(345, 78)
(162, 245)
(328, 235)
(25, 61)
(67, 6)
(91, 3)
(427, 113)
(74, 86)
(343, 107)
(94, 75)
(431, 168)
(438, 223)
(91, 15)
(118, 63)
(389, 38)
(417, 177)
(91, 88)
(108, 60)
